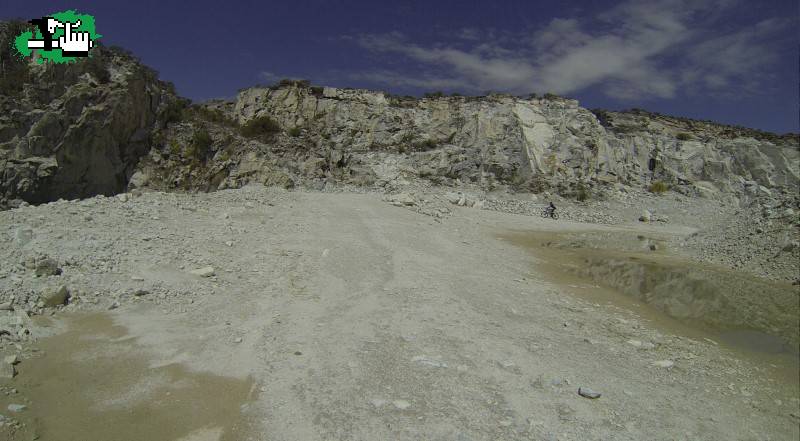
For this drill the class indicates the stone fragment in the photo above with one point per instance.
(47, 267)
(23, 235)
(55, 296)
(588, 393)
(16, 408)
(421, 359)
(7, 370)
(378, 402)
(664, 363)
(401, 404)
(206, 271)
(402, 199)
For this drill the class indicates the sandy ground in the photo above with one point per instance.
(348, 318)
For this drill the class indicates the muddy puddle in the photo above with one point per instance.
(93, 382)
(754, 316)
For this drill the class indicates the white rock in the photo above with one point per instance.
(206, 271)
(402, 199)
(452, 197)
(664, 363)
(421, 359)
(588, 393)
(378, 402)
(55, 296)
(401, 404)
(23, 235)
(16, 407)
(7, 370)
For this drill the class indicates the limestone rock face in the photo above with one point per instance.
(504, 140)
(77, 130)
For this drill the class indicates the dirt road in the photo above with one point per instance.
(344, 317)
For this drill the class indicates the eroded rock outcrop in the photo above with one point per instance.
(72, 131)
(525, 143)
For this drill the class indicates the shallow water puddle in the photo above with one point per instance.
(687, 298)
(93, 382)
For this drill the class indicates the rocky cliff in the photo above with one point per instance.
(323, 135)
(506, 140)
(72, 131)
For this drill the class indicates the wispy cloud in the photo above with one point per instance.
(635, 50)
(269, 77)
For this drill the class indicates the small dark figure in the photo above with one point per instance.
(550, 211)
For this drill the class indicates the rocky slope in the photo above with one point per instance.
(327, 135)
(73, 131)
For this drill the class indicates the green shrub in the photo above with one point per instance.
(96, 66)
(289, 82)
(173, 112)
(200, 144)
(174, 148)
(261, 127)
(683, 136)
(294, 131)
(436, 94)
(224, 155)
(581, 194)
(428, 144)
(212, 115)
(551, 96)
(658, 187)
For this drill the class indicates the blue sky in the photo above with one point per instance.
(731, 61)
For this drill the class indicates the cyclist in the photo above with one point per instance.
(551, 209)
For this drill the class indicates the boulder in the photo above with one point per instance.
(47, 267)
(54, 296)
(23, 235)
(7, 370)
(402, 199)
(206, 271)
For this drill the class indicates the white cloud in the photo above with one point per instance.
(269, 77)
(635, 50)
